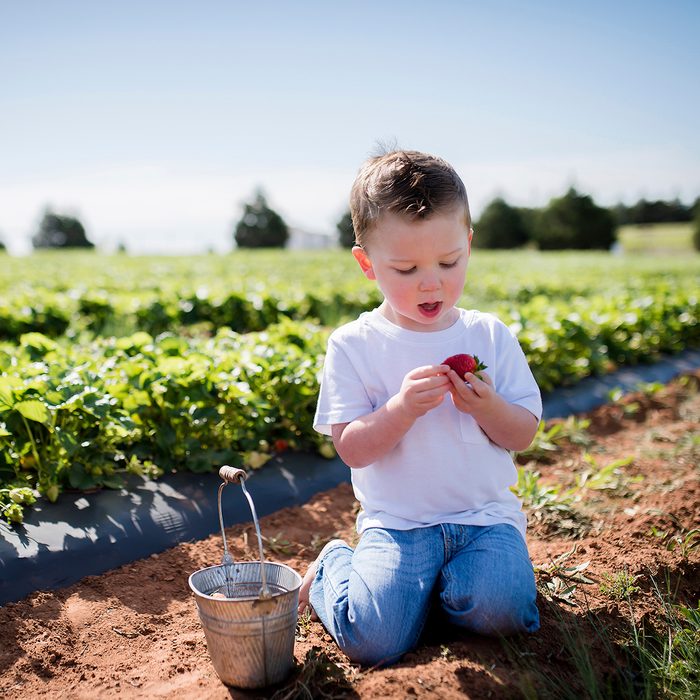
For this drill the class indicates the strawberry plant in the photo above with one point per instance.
(12, 501)
(83, 417)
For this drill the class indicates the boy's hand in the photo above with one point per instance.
(508, 425)
(423, 389)
(474, 394)
(368, 438)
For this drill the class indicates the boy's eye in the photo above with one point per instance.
(448, 265)
(405, 272)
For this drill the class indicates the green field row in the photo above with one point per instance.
(71, 294)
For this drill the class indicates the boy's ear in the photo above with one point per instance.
(364, 262)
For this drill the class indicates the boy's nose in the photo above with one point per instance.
(429, 282)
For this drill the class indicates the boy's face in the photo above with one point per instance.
(420, 266)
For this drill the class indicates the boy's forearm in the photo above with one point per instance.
(512, 427)
(366, 439)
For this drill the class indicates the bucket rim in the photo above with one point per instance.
(196, 591)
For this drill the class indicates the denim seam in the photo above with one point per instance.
(446, 544)
(446, 556)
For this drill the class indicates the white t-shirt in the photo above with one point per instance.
(445, 469)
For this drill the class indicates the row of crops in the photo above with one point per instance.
(250, 290)
(113, 365)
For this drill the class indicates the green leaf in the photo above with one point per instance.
(173, 345)
(67, 441)
(136, 341)
(6, 395)
(114, 482)
(136, 399)
(34, 410)
(37, 341)
(78, 478)
(173, 366)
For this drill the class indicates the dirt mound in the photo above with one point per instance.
(612, 507)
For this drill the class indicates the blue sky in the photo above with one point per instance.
(154, 121)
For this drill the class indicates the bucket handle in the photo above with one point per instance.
(234, 475)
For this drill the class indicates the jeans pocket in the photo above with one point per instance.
(471, 432)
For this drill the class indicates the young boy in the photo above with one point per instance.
(428, 449)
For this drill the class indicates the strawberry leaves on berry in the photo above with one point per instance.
(464, 363)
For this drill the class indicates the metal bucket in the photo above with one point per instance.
(248, 610)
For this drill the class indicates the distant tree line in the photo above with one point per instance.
(656, 212)
(572, 221)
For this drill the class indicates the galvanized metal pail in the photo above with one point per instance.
(248, 610)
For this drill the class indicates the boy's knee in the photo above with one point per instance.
(374, 641)
(374, 649)
(496, 613)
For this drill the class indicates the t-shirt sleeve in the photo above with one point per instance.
(515, 381)
(342, 396)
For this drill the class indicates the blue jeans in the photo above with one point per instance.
(374, 600)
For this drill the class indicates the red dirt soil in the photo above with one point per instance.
(134, 632)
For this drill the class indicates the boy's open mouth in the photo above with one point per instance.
(431, 309)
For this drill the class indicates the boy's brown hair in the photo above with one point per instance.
(408, 183)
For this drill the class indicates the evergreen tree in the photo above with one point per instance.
(260, 226)
(346, 231)
(58, 231)
(575, 221)
(500, 226)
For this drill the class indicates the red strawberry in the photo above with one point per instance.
(464, 363)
